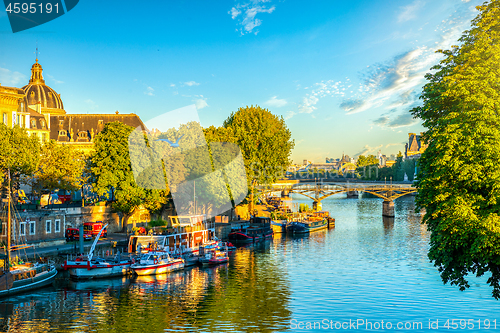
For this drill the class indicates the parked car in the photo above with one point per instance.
(93, 228)
(74, 234)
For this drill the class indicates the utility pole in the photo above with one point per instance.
(251, 198)
(8, 224)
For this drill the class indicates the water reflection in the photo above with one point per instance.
(388, 223)
(367, 267)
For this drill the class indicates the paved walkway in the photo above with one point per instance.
(121, 239)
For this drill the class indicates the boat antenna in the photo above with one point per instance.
(91, 252)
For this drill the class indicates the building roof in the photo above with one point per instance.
(84, 127)
(38, 92)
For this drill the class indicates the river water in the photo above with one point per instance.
(364, 275)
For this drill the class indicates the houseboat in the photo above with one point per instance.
(181, 238)
(279, 226)
(307, 225)
(259, 229)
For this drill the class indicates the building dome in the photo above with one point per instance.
(39, 93)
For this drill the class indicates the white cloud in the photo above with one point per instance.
(275, 102)
(249, 11)
(234, 13)
(308, 104)
(200, 102)
(149, 91)
(172, 85)
(393, 85)
(191, 83)
(320, 90)
(10, 78)
(367, 150)
(289, 114)
(410, 12)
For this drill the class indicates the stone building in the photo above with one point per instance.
(40, 110)
(415, 147)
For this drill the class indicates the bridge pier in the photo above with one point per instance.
(285, 193)
(317, 206)
(388, 208)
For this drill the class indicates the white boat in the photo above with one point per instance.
(214, 255)
(157, 262)
(17, 275)
(89, 267)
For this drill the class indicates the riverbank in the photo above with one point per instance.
(58, 253)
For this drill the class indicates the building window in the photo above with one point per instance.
(82, 135)
(57, 226)
(22, 106)
(32, 227)
(32, 94)
(4, 229)
(63, 133)
(44, 137)
(42, 123)
(22, 229)
(33, 123)
(5, 118)
(48, 225)
(61, 122)
(18, 120)
(100, 122)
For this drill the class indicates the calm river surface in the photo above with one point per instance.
(366, 269)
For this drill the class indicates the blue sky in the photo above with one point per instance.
(342, 73)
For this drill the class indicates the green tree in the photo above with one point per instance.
(367, 160)
(112, 173)
(409, 168)
(19, 153)
(367, 167)
(265, 141)
(59, 167)
(459, 175)
(398, 170)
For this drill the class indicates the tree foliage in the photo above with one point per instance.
(459, 174)
(19, 152)
(265, 141)
(60, 167)
(112, 172)
(367, 160)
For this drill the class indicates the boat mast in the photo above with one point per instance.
(8, 222)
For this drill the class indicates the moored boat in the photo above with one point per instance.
(17, 275)
(83, 267)
(306, 226)
(258, 230)
(89, 267)
(157, 262)
(214, 255)
(279, 226)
